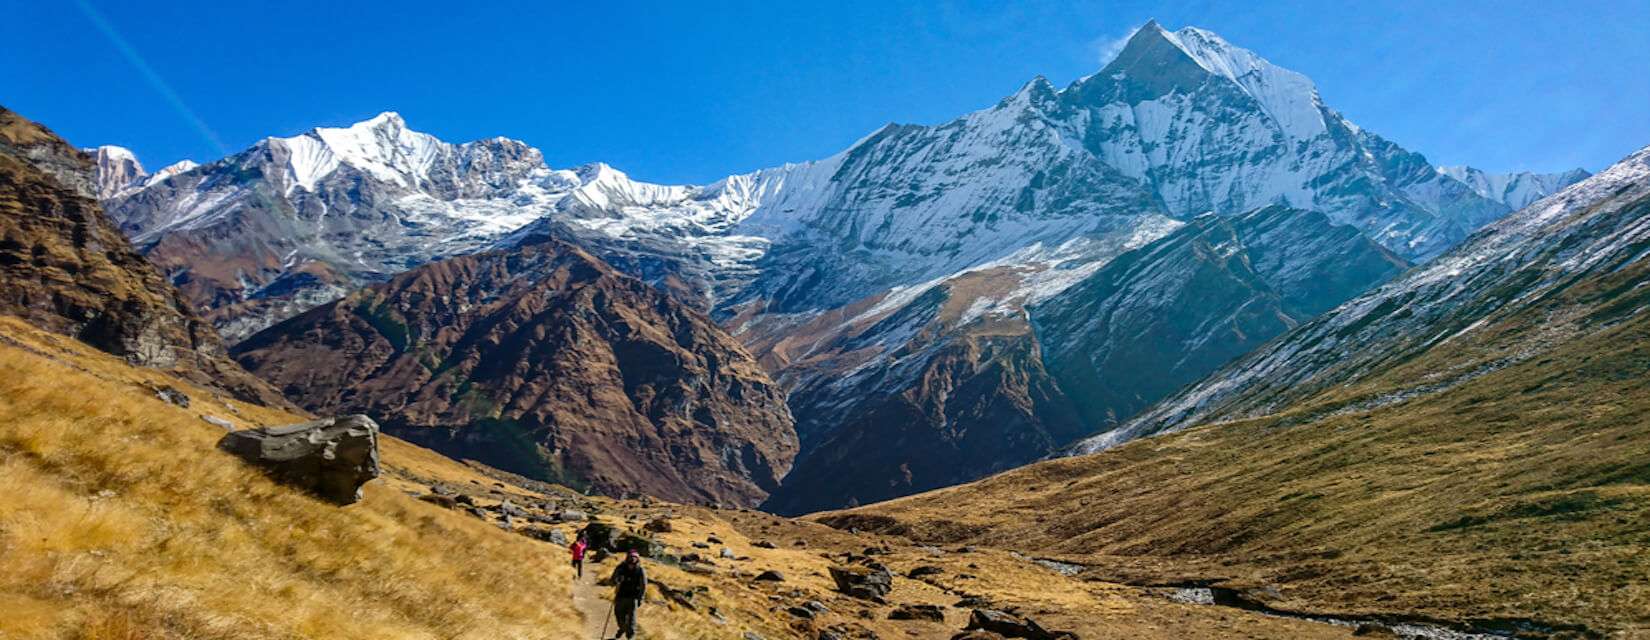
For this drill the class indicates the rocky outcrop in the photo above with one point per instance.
(66, 268)
(330, 458)
(544, 361)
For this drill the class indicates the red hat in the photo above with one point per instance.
(632, 554)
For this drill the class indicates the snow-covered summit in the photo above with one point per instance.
(118, 171)
(1289, 97)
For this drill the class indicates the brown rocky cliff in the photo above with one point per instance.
(66, 268)
(545, 361)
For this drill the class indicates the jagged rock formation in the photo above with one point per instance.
(66, 268)
(545, 361)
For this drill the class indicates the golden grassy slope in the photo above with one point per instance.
(1523, 493)
(119, 519)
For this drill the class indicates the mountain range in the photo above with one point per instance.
(1465, 442)
(921, 298)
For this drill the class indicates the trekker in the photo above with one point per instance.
(629, 587)
(578, 549)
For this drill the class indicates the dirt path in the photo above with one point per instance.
(592, 603)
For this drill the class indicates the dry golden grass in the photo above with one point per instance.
(120, 519)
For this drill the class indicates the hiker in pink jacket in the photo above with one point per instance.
(578, 555)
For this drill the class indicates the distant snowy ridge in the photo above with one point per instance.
(1516, 190)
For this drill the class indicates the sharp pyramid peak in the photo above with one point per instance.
(1179, 60)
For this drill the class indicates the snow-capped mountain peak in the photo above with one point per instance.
(1288, 97)
(382, 146)
(119, 172)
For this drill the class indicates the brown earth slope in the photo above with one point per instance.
(545, 361)
(65, 267)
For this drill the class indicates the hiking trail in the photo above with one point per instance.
(592, 603)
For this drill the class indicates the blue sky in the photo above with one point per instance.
(677, 93)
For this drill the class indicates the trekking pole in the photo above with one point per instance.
(605, 618)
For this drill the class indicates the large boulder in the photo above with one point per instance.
(330, 458)
(865, 582)
(1009, 625)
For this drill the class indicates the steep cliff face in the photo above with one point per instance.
(66, 268)
(1169, 313)
(543, 360)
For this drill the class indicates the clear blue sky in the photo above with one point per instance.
(677, 93)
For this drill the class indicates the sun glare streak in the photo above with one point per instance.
(131, 54)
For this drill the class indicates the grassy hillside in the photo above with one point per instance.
(119, 519)
(1522, 493)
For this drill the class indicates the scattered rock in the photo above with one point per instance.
(700, 545)
(770, 576)
(1012, 626)
(973, 602)
(219, 422)
(713, 540)
(572, 515)
(599, 535)
(925, 570)
(510, 509)
(801, 612)
(977, 635)
(331, 458)
(657, 525)
(927, 612)
(684, 597)
(646, 547)
(727, 553)
(864, 582)
(171, 395)
(764, 544)
(465, 499)
(698, 569)
(446, 502)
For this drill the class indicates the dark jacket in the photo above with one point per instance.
(629, 581)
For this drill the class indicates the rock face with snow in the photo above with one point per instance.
(544, 361)
(1516, 190)
(1567, 266)
(1169, 313)
(66, 268)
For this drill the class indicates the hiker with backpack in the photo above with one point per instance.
(578, 549)
(629, 588)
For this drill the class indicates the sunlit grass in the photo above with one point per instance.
(119, 519)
